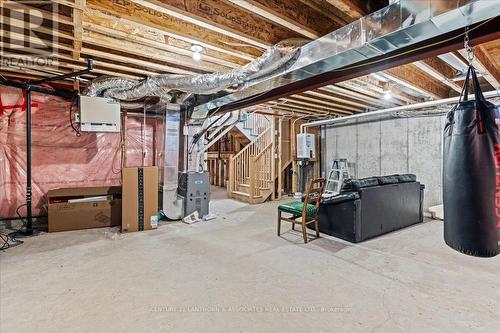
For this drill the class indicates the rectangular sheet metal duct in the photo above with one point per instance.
(400, 25)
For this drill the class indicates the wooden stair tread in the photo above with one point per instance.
(260, 188)
(246, 195)
(241, 193)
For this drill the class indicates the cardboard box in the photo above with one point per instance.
(139, 199)
(88, 213)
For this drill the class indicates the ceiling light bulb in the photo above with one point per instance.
(197, 56)
(196, 48)
(387, 95)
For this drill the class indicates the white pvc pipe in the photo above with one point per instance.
(489, 94)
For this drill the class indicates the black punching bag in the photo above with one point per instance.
(471, 174)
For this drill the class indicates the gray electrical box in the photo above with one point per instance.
(194, 187)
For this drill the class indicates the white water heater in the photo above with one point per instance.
(305, 145)
(99, 114)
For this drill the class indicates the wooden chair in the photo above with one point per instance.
(307, 210)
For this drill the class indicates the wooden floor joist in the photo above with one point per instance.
(439, 70)
(220, 17)
(176, 27)
(95, 20)
(318, 100)
(291, 14)
(167, 57)
(210, 58)
(413, 78)
(486, 65)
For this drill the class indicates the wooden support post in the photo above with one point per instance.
(210, 171)
(78, 28)
(295, 178)
(293, 140)
(216, 172)
(317, 159)
(280, 158)
(221, 172)
(231, 178)
(273, 158)
(251, 171)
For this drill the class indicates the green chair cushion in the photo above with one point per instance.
(295, 208)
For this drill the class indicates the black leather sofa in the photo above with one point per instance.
(373, 206)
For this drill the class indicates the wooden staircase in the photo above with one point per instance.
(251, 170)
(252, 159)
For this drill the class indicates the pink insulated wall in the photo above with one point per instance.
(60, 158)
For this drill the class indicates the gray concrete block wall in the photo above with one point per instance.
(402, 145)
(394, 146)
(347, 144)
(368, 150)
(425, 156)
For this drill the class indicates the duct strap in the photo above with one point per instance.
(140, 198)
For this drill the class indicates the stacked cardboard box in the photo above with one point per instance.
(84, 207)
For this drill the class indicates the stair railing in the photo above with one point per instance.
(261, 177)
(257, 123)
(249, 161)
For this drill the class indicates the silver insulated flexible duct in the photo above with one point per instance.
(276, 59)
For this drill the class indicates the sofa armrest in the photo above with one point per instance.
(340, 198)
(341, 219)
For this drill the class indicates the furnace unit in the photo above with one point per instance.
(194, 188)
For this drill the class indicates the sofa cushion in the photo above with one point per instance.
(295, 208)
(356, 184)
(349, 196)
(407, 178)
(385, 180)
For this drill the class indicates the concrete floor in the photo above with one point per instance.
(233, 274)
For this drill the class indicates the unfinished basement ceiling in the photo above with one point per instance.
(136, 38)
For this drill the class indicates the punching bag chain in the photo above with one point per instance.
(470, 51)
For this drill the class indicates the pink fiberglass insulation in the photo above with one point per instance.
(59, 157)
